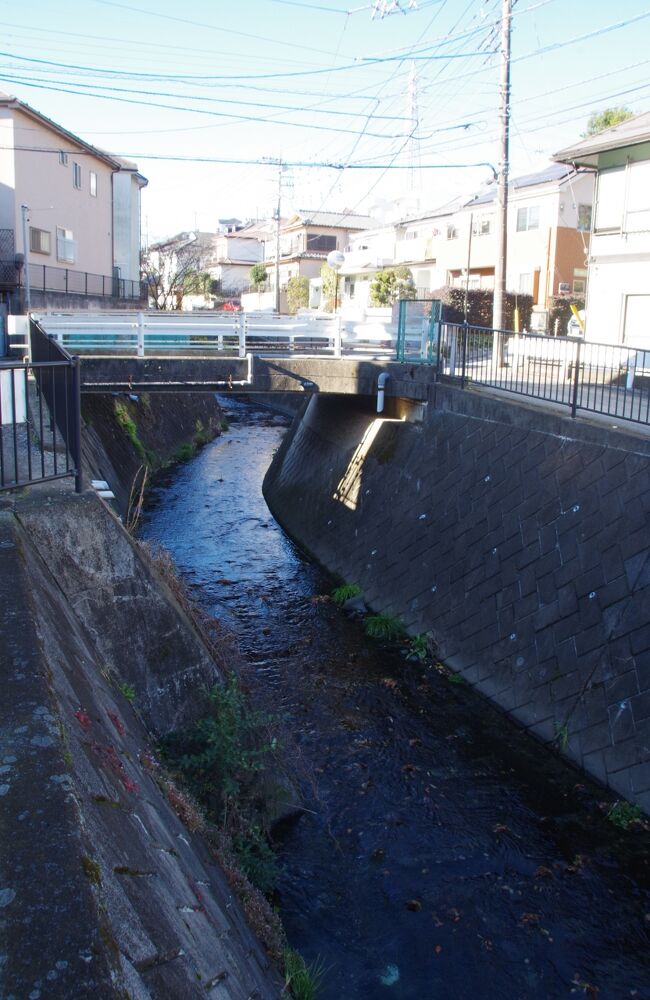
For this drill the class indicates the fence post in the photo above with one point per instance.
(576, 377)
(463, 364)
(140, 335)
(338, 335)
(438, 351)
(243, 333)
(76, 403)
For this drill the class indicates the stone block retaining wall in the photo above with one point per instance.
(517, 539)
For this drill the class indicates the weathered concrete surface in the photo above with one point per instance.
(139, 631)
(103, 891)
(307, 374)
(519, 540)
(164, 424)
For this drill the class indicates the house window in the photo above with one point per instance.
(63, 158)
(92, 180)
(481, 226)
(635, 320)
(76, 174)
(579, 281)
(526, 284)
(584, 218)
(411, 234)
(610, 200)
(65, 245)
(317, 243)
(527, 218)
(637, 200)
(452, 232)
(39, 240)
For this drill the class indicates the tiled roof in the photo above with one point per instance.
(341, 220)
(628, 133)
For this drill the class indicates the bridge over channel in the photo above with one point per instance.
(67, 355)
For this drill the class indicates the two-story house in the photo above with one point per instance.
(618, 293)
(69, 213)
(307, 238)
(549, 217)
(549, 220)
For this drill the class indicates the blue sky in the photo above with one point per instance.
(317, 82)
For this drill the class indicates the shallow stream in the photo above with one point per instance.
(445, 855)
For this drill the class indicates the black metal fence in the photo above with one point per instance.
(46, 278)
(40, 405)
(612, 379)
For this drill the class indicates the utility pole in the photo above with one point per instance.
(502, 177)
(277, 237)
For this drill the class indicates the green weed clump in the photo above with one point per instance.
(302, 980)
(624, 814)
(345, 592)
(128, 425)
(418, 646)
(383, 627)
(128, 691)
(221, 759)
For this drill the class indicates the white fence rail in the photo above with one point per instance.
(235, 334)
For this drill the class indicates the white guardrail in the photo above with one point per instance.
(236, 334)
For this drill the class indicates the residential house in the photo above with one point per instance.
(549, 217)
(78, 206)
(307, 238)
(226, 257)
(549, 220)
(618, 291)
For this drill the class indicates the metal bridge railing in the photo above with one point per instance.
(40, 408)
(611, 379)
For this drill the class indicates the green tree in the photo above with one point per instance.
(258, 275)
(329, 279)
(600, 120)
(391, 284)
(297, 293)
(197, 283)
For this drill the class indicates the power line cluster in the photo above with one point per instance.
(367, 123)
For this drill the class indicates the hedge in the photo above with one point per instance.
(480, 303)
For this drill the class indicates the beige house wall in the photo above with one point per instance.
(47, 187)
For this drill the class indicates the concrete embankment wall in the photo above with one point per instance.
(517, 539)
(104, 891)
(123, 433)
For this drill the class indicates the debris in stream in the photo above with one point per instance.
(389, 976)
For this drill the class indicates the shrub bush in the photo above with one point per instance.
(480, 303)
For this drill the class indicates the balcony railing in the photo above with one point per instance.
(46, 278)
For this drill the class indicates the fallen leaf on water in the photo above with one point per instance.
(414, 905)
(529, 919)
(543, 872)
(438, 949)
(500, 828)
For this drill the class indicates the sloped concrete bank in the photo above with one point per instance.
(124, 433)
(104, 892)
(517, 539)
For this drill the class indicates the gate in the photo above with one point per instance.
(418, 330)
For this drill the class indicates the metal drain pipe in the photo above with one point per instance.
(381, 385)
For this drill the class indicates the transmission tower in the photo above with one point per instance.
(382, 8)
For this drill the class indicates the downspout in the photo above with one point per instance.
(381, 386)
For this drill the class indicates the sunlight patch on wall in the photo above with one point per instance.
(349, 487)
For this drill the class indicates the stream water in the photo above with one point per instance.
(445, 856)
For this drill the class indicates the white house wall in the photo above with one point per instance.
(46, 185)
(610, 281)
(7, 173)
(126, 224)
